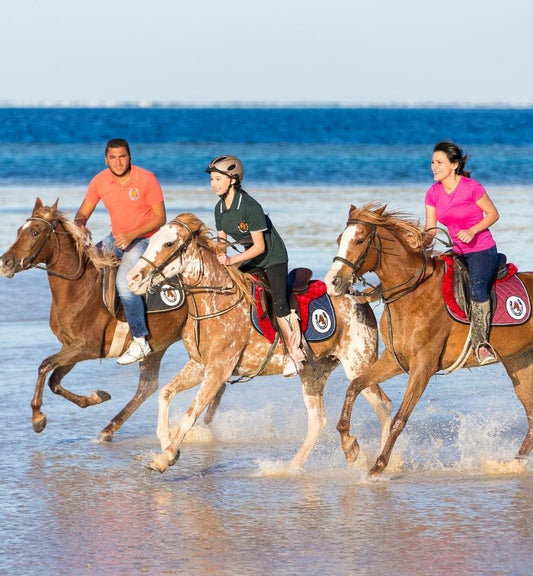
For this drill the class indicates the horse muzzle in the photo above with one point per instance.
(8, 266)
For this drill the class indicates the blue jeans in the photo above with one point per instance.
(482, 267)
(134, 306)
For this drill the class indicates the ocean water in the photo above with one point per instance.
(287, 147)
(449, 503)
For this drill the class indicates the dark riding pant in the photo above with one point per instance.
(482, 267)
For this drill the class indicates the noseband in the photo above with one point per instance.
(358, 264)
(51, 230)
(388, 295)
(178, 252)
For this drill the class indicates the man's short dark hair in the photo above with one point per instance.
(118, 143)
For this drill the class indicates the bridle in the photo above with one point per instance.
(357, 265)
(52, 231)
(158, 269)
(191, 289)
(375, 242)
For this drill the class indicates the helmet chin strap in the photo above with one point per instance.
(225, 194)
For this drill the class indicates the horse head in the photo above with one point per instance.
(359, 249)
(387, 243)
(170, 252)
(32, 245)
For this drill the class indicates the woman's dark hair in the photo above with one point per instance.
(454, 154)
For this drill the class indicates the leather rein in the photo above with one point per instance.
(191, 289)
(52, 231)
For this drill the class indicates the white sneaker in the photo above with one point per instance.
(136, 352)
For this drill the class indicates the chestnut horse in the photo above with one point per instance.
(221, 339)
(78, 317)
(420, 336)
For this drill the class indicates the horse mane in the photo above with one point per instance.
(409, 229)
(204, 237)
(83, 243)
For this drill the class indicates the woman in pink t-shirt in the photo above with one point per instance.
(464, 207)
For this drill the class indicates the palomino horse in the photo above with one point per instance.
(222, 341)
(420, 337)
(78, 316)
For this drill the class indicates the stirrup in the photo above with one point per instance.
(485, 354)
(291, 367)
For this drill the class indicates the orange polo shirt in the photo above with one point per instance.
(129, 206)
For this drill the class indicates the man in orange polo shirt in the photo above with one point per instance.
(134, 201)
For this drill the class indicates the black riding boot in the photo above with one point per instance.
(480, 319)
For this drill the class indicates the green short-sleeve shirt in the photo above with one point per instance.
(245, 216)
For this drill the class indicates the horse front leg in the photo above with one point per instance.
(419, 376)
(384, 368)
(213, 379)
(213, 405)
(38, 418)
(190, 375)
(59, 365)
(54, 383)
(148, 384)
(382, 406)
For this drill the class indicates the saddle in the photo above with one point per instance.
(510, 302)
(161, 298)
(306, 296)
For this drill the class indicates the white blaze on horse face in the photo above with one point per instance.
(333, 279)
(155, 255)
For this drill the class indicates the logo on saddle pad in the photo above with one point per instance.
(516, 307)
(164, 297)
(161, 298)
(510, 301)
(317, 316)
(321, 320)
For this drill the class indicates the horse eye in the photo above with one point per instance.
(359, 242)
(35, 233)
(169, 244)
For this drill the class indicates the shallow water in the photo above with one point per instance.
(447, 504)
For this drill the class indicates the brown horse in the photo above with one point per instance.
(222, 341)
(420, 336)
(78, 317)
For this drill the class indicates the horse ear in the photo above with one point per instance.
(352, 209)
(54, 205)
(38, 204)
(381, 210)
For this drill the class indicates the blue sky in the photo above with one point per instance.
(200, 52)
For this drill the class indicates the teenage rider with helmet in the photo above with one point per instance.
(240, 216)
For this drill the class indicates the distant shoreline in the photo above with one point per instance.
(74, 105)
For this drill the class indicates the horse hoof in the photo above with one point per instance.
(159, 463)
(352, 452)
(378, 468)
(101, 396)
(173, 461)
(104, 437)
(39, 425)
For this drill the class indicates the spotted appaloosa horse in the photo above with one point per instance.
(420, 336)
(78, 316)
(222, 341)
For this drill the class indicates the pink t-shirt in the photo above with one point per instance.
(129, 206)
(459, 211)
